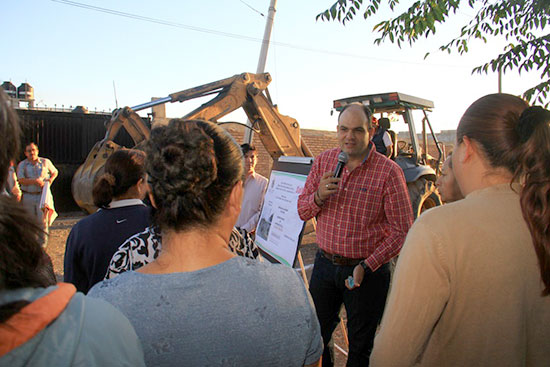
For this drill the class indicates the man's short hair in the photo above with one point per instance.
(384, 123)
(247, 148)
(31, 143)
(364, 108)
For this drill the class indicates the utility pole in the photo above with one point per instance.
(500, 79)
(263, 58)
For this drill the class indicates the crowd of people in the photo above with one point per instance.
(167, 273)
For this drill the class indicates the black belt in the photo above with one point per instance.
(340, 260)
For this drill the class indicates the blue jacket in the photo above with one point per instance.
(94, 240)
(87, 332)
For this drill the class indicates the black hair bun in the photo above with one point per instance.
(529, 120)
(189, 166)
(193, 166)
(109, 179)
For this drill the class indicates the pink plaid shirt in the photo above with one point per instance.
(370, 214)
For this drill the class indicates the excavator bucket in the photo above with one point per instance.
(86, 175)
(93, 167)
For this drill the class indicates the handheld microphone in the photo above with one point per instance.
(342, 160)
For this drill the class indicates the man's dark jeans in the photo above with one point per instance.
(364, 306)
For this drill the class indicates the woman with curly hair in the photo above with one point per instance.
(118, 194)
(472, 283)
(197, 303)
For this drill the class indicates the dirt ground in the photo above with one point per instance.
(60, 229)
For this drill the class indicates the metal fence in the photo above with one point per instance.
(66, 139)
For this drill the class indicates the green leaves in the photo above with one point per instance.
(522, 22)
(345, 10)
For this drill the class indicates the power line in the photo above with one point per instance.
(262, 14)
(238, 36)
(155, 20)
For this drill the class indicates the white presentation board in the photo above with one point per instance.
(279, 229)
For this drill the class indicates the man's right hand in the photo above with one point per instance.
(39, 182)
(328, 185)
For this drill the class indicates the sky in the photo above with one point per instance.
(73, 55)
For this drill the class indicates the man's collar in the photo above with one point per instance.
(35, 162)
(370, 148)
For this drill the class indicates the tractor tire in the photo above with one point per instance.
(423, 195)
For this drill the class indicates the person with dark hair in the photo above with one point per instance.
(255, 186)
(198, 304)
(446, 183)
(33, 173)
(472, 284)
(93, 240)
(382, 139)
(42, 324)
(362, 220)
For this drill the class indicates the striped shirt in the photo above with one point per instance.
(370, 215)
(44, 169)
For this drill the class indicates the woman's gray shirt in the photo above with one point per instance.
(238, 313)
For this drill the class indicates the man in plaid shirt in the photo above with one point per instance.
(362, 220)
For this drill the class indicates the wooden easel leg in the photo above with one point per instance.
(344, 333)
(304, 276)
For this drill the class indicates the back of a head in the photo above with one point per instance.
(123, 169)
(22, 257)
(193, 165)
(23, 263)
(384, 123)
(10, 133)
(491, 122)
(516, 137)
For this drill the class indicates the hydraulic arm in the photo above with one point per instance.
(279, 134)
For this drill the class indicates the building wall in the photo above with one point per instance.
(316, 140)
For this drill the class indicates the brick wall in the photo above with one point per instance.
(316, 140)
(321, 140)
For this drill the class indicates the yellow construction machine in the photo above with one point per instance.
(279, 134)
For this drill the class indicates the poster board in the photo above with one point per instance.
(279, 231)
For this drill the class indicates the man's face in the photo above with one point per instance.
(250, 159)
(446, 184)
(31, 152)
(353, 132)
